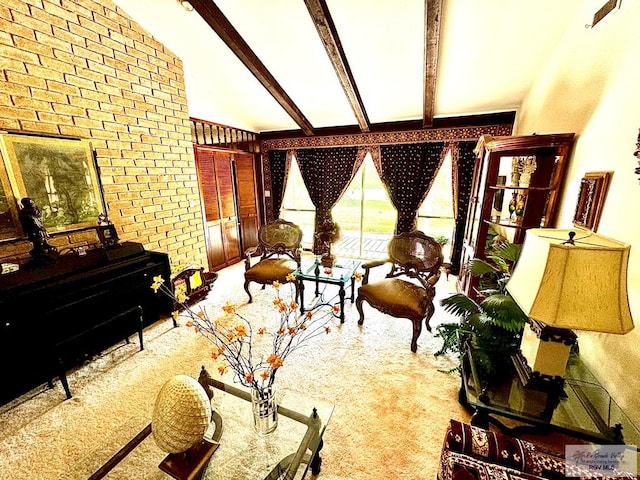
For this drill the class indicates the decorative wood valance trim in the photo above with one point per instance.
(372, 142)
(387, 138)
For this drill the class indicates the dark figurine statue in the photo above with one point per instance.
(31, 221)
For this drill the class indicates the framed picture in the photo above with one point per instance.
(58, 173)
(107, 234)
(591, 197)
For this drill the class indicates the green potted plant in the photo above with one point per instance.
(442, 239)
(494, 323)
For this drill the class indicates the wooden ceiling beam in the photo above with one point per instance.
(432, 21)
(214, 17)
(329, 35)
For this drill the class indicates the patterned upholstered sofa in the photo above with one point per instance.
(472, 453)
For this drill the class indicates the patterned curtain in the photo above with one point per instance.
(463, 162)
(279, 167)
(407, 171)
(326, 173)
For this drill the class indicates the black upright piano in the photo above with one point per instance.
(56, 316)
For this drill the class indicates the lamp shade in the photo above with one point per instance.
(580, 286)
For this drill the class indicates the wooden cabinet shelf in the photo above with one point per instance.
(513, 187)
(516, 185)
(506, 224)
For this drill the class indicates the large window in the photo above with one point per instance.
(435, 216)
(297, 206)
(365, 214)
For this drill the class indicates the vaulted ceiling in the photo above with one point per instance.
(274, 65)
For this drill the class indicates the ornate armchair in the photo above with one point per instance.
(408, 289)
(279, 254)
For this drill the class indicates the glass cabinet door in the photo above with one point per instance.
(515, 187)
(521, 195)
(475, 204)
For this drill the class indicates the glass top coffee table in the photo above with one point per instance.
(231, 450)
(340, 274)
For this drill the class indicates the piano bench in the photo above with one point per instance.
(120, 322)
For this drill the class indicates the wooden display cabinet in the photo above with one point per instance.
(516, 184)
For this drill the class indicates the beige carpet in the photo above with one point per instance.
(392, 406)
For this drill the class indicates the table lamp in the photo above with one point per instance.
(563, 280)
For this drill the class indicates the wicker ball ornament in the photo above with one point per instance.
(181, 414)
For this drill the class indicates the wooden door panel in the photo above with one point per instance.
(228, 189)
(231, 240)
(224, 176)
(249, 228)
(247, 204)
(205, 168)
(245, 176)
(215, 247)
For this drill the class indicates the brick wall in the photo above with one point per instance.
(83, 68)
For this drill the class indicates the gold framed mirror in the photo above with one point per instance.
(591, 197)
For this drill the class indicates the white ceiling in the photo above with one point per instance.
(490, 53)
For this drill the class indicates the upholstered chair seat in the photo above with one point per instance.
(278, 252)
(408, 289)
(270, 270)
(396, 297)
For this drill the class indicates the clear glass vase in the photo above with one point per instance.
(265, 410)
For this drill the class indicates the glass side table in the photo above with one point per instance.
(584, 409)
(340, 274)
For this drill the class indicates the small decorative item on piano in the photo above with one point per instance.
(30, 218)
(107, 233)
(8, 268)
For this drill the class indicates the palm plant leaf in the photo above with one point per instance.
(479, 267)
(504, 312)
(509, 251)
(490, 291)
(495, 324)
(501, 264)
(460, 305)
(503, 258)
(477, 322)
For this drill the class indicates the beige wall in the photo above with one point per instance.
(86, 70)
(592, 88)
